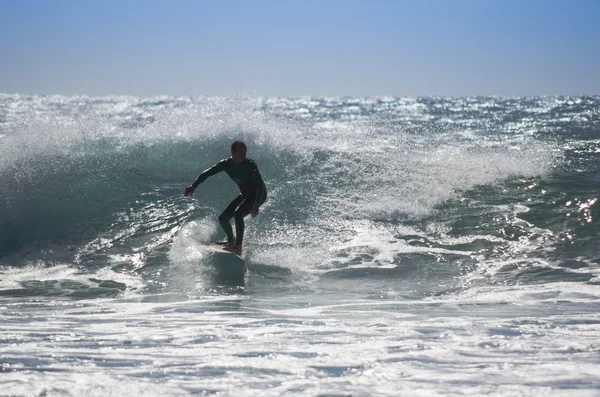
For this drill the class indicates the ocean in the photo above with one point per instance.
(424, 246)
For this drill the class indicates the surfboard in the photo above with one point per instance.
(227, 263)
(218, 249)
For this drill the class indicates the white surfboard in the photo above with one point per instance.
(218, 249)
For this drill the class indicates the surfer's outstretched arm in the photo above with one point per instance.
(215, 169)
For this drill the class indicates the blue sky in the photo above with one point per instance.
(292, 48)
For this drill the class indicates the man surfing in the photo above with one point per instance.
(253, 193)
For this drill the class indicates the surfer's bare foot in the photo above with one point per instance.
(223, 242)
(236, 249)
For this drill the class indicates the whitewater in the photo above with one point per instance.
(425, 246)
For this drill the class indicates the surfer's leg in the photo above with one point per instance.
(240, 213)
(226, 216)
(243, 210)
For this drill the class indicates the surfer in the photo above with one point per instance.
(253, 193)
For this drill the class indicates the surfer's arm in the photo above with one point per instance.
(220, 166)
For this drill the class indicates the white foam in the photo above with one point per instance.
(14, 277)
(189, 244)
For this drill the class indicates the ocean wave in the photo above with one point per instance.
(85, 179)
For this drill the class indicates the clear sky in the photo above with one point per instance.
(292, 48)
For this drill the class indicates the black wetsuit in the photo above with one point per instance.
(253, 193)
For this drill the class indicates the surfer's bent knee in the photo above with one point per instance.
(224, 217)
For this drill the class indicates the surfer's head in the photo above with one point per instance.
(238, 152)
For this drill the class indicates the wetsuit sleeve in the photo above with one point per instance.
(260, 185)
(220, 166)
